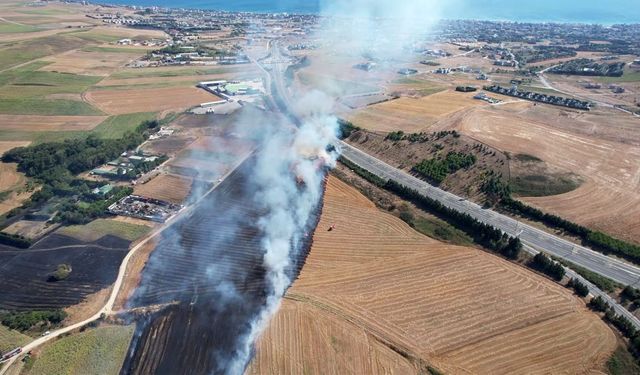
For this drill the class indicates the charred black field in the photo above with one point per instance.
(209, 270)
(24, 273)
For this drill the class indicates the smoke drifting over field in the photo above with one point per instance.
(381, 29)
(230, 263)
(288, 176)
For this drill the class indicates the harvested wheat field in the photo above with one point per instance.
(148, 100)
(166, 187)
(608, 199)
(11, 178)
(90, 63)
(30, 123)
(412, 115)
(376, 297)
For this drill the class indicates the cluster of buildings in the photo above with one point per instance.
(231, 90)
(127, 167)
(542, 98)
(144, 208)
(483, 96)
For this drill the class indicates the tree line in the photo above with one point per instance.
(483, 234)
(595, 239)
(623, 324)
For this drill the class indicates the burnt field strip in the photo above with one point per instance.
(211, 264)
(24, 273)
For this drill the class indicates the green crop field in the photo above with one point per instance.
(99, 351)
(172, 72)
(36, 84)
(10, 339)
(117, 126)
(51, 107)
(102, 227)
(630, 75)
(23, 91)
(9, 28)
(12, 54)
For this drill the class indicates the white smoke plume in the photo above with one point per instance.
(289, 173)
(291, 163)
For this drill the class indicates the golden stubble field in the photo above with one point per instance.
(377, 297)
(603, 149)
(412, 114)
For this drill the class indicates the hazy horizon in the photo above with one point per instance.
(573, 11)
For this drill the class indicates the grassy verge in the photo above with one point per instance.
(601, 282)
(96, 351)
(622, 362)
(103, 227)
(441, 230)
(536, 185)
(10, 339)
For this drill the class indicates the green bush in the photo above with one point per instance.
(62, 272)
(23, 321)
(580, 289)
(547, 266)
(436, 169)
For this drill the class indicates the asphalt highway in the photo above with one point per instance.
(612, 268)
(615, 269)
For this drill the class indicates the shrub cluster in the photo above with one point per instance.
(437, 169)
(23, 321)
(547, 266)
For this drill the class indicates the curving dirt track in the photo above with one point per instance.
(375, 296)
(609, 198)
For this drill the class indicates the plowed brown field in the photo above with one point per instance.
(412, 115)
(148, 100)
(609, 198)
(377, 297)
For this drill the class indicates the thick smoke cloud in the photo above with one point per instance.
(291, 163)
(380, 28)
(290, 168)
